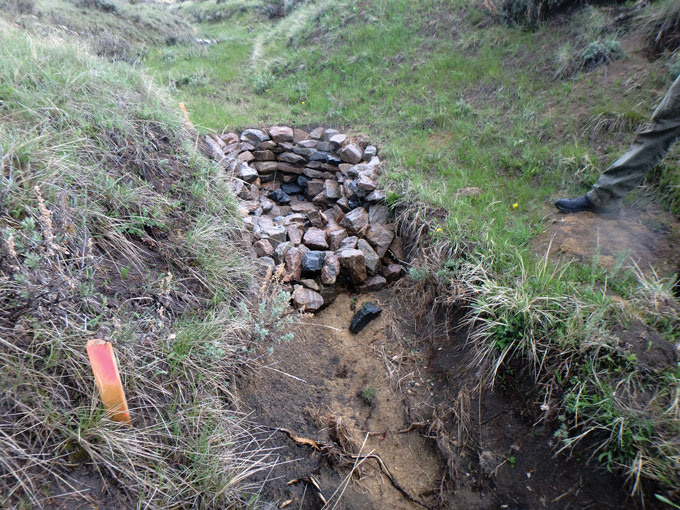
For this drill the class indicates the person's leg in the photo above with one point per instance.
(650, 146)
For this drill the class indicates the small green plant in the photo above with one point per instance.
(512, 460)
(124, 270)
(368, 395)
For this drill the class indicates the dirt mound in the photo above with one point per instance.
(645, 238)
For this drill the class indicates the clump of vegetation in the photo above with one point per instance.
(591, 57)
(661, 26)
(526, 12)
(275, 9)
(97, 174)
(368, 395)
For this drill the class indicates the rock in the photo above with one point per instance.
(280, 252)
(299, 135)
(312, 173)
(338, 139)
(369, 152)
(343, 204)
(380, 238)
(264, 156)
(355, 221)
(392, 272)
(370, 256)
(251, 205)
(293, 258)
(376, 196)
(317, 133)
(325, 147)
(279, 196)
(254, 136)
(268, 146)
(378, 214)
(317, 219)
(349, 243)
(301, 151)
(374, 283)
(302, 207)
(292, 188)
(302, 181)
(351, 153)
(320, 199)
(266, 204)
(335, 238)
(314, 187)
(295, 233)
(330, 133)
(230, 138)
(397, 249)
(246, 157)
(292, 158)
(364, 316)
(365, 183)
(246, 172)
(266, 167)
(308, 144)
(333, 160)
(317, 155)
(271, 186)
(289, 169)
(267, 177)
(275, 233)
(216, 152)
(353, 263)
(263, 248)
(332, 189)
(313, 262)
(295, 218)
(330, 270)
(310, 284)
(315, 238)
(245, 146)
(307, 300)
(281, 134)
(329, 293)
(266, 263)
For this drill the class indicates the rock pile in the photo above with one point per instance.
(312, 203)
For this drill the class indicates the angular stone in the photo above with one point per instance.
(330, 269)
(371, 257)
(299, 135)
(266, 204)
(275, 234)
(302, 207)
(246, 157)
(369, 152)
(355, 221)
(314, 165)
(378, 214)
(392, 272)
(267, 177)
(335, 238)
(310, 284)
(308, 144)
(296, 218)
(293, 258)
(246, 172)
(307, 300)
(246, 146)
(289, 169)
(325, 147)
(292, 158)
(281, 134)
(343, 204)
(313, 262)
(365, 183)
(266, 263)
(264, 155)
(380, 238)
(376, 196)
(349, 243)
(230, 138)
(317, 218)
(363, 317)
(353, 264)
(292, 188)
(332, 189)
(263, 248)
(280, 252)
(287, 177)
(280, 197)
(295, 233)
(319, 155)
(301, 151)
(254, 136)
(317, 133)
(268, 146)
(315, 238)
(338, 139)
(351, 153)
(312, 173)
(216, 151)
(397, 249)
(374, 283)
(333, 161)
(314, 187)
(320, 199)
(266, 167)
(251, 205)
(330, 133)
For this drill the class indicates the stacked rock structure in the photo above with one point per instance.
(312, 203)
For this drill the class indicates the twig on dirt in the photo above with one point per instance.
(284, 373)
(414, 426)
(314, 483)
(301, 440)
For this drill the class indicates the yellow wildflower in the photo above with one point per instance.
(515, 205)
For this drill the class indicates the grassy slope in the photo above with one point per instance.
(113, 226)
(459, 101)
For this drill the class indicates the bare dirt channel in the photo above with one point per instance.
(406, 396)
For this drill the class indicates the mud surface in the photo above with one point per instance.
(408, 397)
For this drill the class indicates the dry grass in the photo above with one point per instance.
(661, 26)
(114, 227)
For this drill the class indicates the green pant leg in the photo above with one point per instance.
(650, 146)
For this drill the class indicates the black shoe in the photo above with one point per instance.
(574, 205)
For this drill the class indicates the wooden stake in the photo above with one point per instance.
(106, 376)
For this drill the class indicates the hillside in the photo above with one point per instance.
(115, 225)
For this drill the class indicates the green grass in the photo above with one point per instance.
(458, 101)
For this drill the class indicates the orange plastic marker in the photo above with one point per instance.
(183, 107)
(106, 376)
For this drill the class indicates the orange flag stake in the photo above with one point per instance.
(183, 107)
(106, 376)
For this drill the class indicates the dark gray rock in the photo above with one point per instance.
(291, 188)
(254, 136)
(364, 316)
(279, 196)
(313, 262)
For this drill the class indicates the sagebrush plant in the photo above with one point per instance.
(98, 173)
